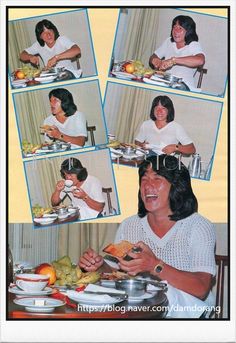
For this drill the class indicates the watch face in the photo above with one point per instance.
(158, 269)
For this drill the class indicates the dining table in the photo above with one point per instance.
(45, 77)
(72, 217)
(154, 80)
(153, 308)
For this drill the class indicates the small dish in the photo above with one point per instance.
(39, 304)
(45, 79)
(44, 221)
(16, 290)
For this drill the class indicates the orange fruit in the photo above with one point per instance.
(129, 68)
(20, 74)
(47, 269)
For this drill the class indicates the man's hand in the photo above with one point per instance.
(143, 261)
(90, 260)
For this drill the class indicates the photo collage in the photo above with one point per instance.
(118, 163)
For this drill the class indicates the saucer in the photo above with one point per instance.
(40, 304)
(16, 290)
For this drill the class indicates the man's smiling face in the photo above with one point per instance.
(155, 191)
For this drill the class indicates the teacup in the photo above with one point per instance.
(32, 282)
(68, 183)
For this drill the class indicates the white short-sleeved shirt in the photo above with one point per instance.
(169, 49)
(189, 245)
(93, 187)
(62, 44)
(172, 133)
(74, 125)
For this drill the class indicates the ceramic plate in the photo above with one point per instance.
(123, 75)
(30, 304)
(18, 291)
(94, 300)
(45, 79)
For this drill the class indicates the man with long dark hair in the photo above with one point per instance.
(55, 50)
(181, 53)
(85, 189)
(65, 123)
(177, 244)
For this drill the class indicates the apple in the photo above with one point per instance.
(47, 269)
(19, 74)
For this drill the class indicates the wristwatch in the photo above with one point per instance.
(173, 60)
(177, 147)
(159, 267)
(61, 136)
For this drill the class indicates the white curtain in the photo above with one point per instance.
(18, 40)
(140, 35)
(74, 239)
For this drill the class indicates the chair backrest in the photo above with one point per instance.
(91, 130)
(201, 72)
(222, 261)
(111, 209)
(76, 59)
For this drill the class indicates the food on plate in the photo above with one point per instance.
(28, 72)
(30, 148)
(47, 269)
(131, 145)
(113, 144)
(63, 273)
(89, 277)
(39, 211)
(114, 275)
(119, 249)
(45, 128)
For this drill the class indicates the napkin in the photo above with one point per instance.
(183, 305)
(81, 296)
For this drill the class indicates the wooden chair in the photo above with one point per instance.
(76, 59)
(201, 72)
(222, 261)
(91, 130)
(111, 209)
